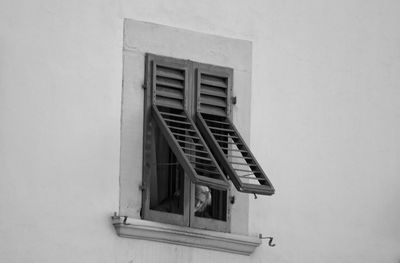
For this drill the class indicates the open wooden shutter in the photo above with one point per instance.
(213, 120)
(169, 80)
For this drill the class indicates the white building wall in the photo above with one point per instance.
(325, 124)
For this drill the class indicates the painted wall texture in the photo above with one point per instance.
(325, 123)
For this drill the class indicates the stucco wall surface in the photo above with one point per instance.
(325, 123)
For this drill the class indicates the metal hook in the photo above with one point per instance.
(270, 240)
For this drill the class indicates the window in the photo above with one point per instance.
(191, 148)
(166, 171)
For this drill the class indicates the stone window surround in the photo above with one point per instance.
(140, 38)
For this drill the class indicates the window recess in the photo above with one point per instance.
(213, 118)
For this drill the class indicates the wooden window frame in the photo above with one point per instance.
(151, 120)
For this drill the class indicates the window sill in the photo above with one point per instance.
(148, 230)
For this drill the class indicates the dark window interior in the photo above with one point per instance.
(167, 184)
(216, 209)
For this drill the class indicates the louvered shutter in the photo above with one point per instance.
(213, 119)
(170, 88)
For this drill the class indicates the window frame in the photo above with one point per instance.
(188, 218)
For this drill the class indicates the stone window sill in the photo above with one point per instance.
(148, 230)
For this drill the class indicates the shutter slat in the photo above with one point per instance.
(172, 121)
(221, 129)
(225, 142)
(170, 103)
(213, 110)
(174, 115)
(212, 91)
(192, 143)
(169, 94)
(169, 73)
(232, 150)
(169, 82)
(225, 135)
(213, 101)
(216, 122)
(252, 178)
(213, 81)
(245, 164)
(237, 156)
(205, 171)
(185, 136)
(244, 170)
(181, 129)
